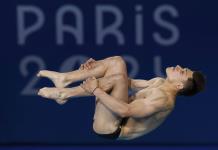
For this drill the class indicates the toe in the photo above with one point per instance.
(39, 74)
(40, 92)
(61, 101)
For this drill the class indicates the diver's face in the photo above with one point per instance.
(178, 73)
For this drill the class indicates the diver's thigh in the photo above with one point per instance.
(105, 121)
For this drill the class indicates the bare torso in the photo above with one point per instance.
(136, 127)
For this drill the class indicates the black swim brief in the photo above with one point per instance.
(116, 133)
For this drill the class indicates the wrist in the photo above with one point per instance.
(96, 90)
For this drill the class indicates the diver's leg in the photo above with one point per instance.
(106, 121)
(110, 65)
(61, 95)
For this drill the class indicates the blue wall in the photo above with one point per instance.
(152, 36)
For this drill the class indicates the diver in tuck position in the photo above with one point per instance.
(118, 116)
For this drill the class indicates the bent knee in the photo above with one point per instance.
(118, 59)
(115, 60)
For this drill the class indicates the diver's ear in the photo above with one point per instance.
(179, 85)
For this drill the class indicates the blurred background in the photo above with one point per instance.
(60, 35)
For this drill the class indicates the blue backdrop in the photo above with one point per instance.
(59, 35)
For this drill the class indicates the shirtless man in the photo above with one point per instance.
(118, 116)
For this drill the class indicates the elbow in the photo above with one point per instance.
(125, 112)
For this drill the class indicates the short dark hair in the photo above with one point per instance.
(194, 85)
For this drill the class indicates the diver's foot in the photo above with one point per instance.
(57, 78)
(58, 94)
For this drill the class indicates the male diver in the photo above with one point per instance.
(117, 115)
